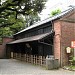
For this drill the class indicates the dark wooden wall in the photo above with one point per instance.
(36, 48)
(35, 31)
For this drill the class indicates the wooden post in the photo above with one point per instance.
(44, 61)
(41, 60)
(29, 58)
(25, 57)
(12, 55)
(36, 59)
(21, 57)
(16, 55)
(32, 59)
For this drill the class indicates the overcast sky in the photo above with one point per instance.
(55, 4)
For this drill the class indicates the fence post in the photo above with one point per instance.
(16, 55)
(32, 59)
(36, 59)
(25, 57)
(41, 60)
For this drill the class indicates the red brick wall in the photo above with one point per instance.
(64, 34)
(3, 47)
(1, 51)
(67, 36)
(6, 40)
(57, 29)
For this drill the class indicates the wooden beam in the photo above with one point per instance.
(68, 20)
(45, 43)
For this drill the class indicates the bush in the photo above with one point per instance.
(73, 60)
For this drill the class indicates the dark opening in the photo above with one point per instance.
(34, 46)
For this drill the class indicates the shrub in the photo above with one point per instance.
(73, 60)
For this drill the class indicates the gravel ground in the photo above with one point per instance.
(16, 67)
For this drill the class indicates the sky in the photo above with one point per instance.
(55, 4)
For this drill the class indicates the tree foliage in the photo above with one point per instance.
(12, 12)
(55, 12)
(31, 19)
(17, 7)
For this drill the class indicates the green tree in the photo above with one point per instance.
(31, 19)
(13, 11)
(17, 7)
(18, 25)
(55, 12)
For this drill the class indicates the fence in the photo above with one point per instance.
(34, 59)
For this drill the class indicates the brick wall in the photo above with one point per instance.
(1, 51)
(67, 36)
(57, 29)
(3, 47)
(64, 34)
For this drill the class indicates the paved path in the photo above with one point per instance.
(16, 67)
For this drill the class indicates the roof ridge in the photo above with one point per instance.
(47, 20)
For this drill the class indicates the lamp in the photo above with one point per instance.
(68, 50)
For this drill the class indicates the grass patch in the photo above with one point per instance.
(72, 67)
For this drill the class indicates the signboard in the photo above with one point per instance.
(73, 44)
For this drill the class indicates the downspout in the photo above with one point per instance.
(53, 36)
(52, 25)
(60, 47)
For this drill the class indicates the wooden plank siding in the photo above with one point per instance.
(35, 31)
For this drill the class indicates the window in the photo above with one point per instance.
(40, 31)
(47, 29)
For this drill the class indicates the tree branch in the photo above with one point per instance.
(6, 25)
(4, 7)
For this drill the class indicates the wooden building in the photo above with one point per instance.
(48, 37)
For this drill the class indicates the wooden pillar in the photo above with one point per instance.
(12, 55)
(32, 59)
(25, 58)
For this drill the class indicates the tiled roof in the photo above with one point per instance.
(47, 20)
(32, 38)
